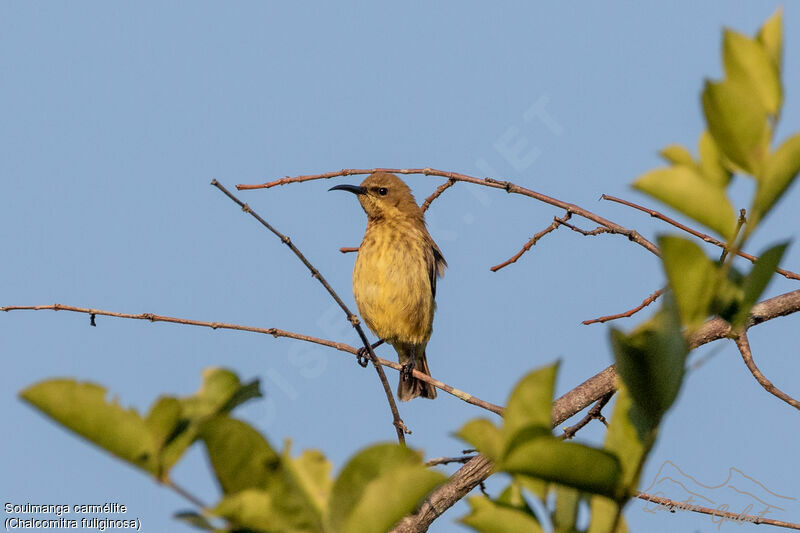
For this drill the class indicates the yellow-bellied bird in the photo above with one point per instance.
(394, 278)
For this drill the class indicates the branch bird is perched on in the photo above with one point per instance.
(394, 278)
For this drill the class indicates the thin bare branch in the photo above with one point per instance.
(185, 494)
(447, 460)
(707, 238)
(479, 468)
(554, 225)
(509, 187)
(674, 505)
(532, 242)
(587, 233)
(744, 348)
(436, 194)
(595, 413)
(275, 332)
(647, 301)
(151, 317)
(352, 318)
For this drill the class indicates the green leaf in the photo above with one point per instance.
(220, 392)
(310, 474)
(295, 489)
(758, 279)
(359, 499)
(747, 62)
(771, 37)
(677, 154)
(568, 463)
(489, 517)
(603, 513)
(685, 190)
(627, 439)
(194, 519)
(712, 163)
(260, 510)
(691, 277)
(537, 487)
(164, 419)
(83, 408)
(484, 436)
(728, 295)
(531, 402)
(240, 456)
(737, 121)
(565, 515)
(650, 362)
(630, 439)
(780, 170)
(512, 497)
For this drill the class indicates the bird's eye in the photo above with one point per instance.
(383, 191)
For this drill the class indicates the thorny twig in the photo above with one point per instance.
(436, 194)
(738, 518)
(275, 332)
(554, 225)
(647, 301)
(532, 242)
(707, 238)
(511, 188)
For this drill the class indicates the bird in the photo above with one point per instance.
(395, 273)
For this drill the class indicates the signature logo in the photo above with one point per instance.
(740, 498)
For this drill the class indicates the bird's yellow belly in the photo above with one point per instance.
(391, 285)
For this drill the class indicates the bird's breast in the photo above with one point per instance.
(391, 284)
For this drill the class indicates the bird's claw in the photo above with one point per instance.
(407, 370)
(362, 357)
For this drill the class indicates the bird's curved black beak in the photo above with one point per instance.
(355, 189)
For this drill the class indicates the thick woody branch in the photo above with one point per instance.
(275, 332)
(352, 318)
(507, 186)
(479, 468)
(744, 348)
(707, 238)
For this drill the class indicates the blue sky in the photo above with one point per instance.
(116, 116)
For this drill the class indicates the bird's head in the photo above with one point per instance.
(384, 196)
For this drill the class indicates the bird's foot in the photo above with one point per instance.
(407, 370)
(362, 355)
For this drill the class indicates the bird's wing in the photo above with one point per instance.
(436, 265)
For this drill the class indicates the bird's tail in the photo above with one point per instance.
(411, 387)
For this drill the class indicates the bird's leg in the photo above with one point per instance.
(408, 367)
(362, 356)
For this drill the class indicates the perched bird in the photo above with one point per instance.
(394, 278)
